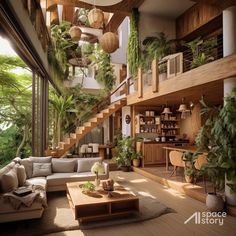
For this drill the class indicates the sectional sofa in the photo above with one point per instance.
(51, 174)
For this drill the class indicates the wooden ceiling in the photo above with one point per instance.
(212, 92)
(119, 10)
(222, 4)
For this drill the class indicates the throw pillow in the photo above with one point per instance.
(63, 166)
(42, 169)
(41, 159)
(28, 164)
(85, 165)
(9, 181)
(21, 175)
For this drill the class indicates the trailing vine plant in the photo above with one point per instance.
(133, 43)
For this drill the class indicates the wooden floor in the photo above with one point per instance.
(169, 224)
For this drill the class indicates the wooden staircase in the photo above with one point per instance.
(81, 131)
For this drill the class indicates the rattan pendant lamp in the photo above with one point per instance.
(96, 17)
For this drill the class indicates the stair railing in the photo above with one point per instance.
(105, 102)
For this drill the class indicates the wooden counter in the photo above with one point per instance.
(154, 152)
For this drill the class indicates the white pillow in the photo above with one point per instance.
(85, 164)
(9, 181)
(42, 169)
(63, 166)
(21, 174)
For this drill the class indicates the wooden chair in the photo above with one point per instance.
(199, 163)
(176, 160)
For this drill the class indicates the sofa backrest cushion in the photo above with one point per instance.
(85, 164)
(63, 165)
(21, 174)
(28, 164)
(41, 159)
(42, 169)
(9, 180)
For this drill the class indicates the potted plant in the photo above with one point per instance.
(88, 187)
(125, 147)
(202, 51)
(218, 137)
(136, 159)
(189, 170)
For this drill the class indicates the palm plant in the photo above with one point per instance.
(63, 106)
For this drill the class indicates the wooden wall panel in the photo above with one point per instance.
(195, 17)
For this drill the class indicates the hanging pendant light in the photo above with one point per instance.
(96, 18)
(109, 42)
(75, 33)
(183, 109)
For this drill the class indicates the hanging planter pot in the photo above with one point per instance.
(75, 33)
(96, 18)
(109, 42)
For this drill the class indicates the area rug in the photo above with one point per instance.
(59, 217)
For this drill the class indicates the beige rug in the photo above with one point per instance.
(59, 217)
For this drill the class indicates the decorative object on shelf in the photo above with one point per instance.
(97, 169)
(109, 42)
(88, 187)
(75, 33)
(127, 119)
(96, 18)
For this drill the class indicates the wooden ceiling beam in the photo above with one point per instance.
(114, 23)
(222, 4)
(68, 13)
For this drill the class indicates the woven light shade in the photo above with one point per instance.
(75, 33)
(96, 18)
(109, 42)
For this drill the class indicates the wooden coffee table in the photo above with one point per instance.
(98, 206)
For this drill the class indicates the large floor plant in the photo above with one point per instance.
(218, 135)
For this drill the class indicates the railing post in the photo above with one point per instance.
(155, 76)
(140, 83)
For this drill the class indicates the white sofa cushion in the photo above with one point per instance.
(42, 169)
(21, 174)
(37, 181)
(63, 165)
(9, 180)
(85, 164)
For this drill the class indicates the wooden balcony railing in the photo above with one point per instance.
(174, 65)
(37, 18)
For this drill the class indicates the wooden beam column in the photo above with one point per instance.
(155, 76)
(140, 83)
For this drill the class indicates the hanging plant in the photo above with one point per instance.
(105, 72)
(133, 43)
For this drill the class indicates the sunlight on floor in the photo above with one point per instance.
(175, 193)
(145, 194)
(139, 181)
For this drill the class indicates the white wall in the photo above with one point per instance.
(150, 25)
(126, 128)
(120, 55)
